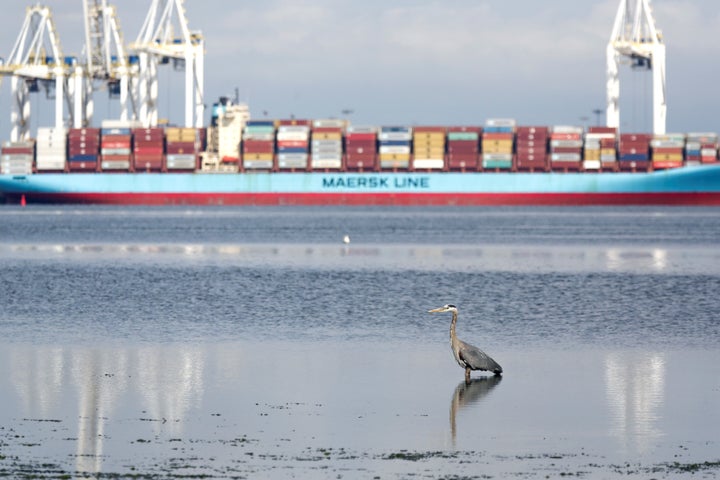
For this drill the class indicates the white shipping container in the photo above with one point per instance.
(394, 149)
(259, 136)
(497, 156)
(50, 162)
(362, 129)
(564, 157)
(591, 164)
(566, 144)
(429, 163)
(667, 143)
(292, 160)
(293, 136)
(115, 164)
(709, 152)
(181, 161)
(395, 136)
(500, 122)
(330, 123)
(294, 129)
(257, 164)
(16, 167)
(566, 129)
(326, 161)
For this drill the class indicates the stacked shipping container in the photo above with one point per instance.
(701, 148)
(361, 148)
(531, 148)
(463, 148)
(115, 149)
(497, 144)
(395, 146)
(17, 158)
(258, 145)
(667, 150)
(51, 150)
(84, 149)
(181, 146)
(634, 151)
(327, 145)
(566, 148)
(428, 148)
(599, 153)
(293, 144)
(148, 149)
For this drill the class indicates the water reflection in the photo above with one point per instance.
(635, 386)
(169, 381)
(467, 394)
(563, 258)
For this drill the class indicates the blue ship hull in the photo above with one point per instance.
(693, 185)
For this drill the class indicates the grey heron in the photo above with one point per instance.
(466, 355)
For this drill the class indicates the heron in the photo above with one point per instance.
(467, 356)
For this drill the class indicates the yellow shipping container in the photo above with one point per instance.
(668, 157)
(607, 151)
(430, 152)
(257, 156)
(497, 146)
(395, 156)
(592, 154)
(327, 136)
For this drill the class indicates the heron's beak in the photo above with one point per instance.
(437, 310)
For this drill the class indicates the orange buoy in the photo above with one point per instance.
(22, 201)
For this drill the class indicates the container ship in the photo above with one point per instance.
(238, 161)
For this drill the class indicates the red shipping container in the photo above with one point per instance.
(457, 147)
(531, 150)
(179, 148)
(531, 161)
(462, 161)
(83, 151)
(366, 161)
(636, 137)
(598, 129)
(305, 123)
(361, 137)
(429, 129)
(327, 130)
(636, 165)
(292, 143)
(497, 136)
(144, 162)
(542, 131)
(566, 149)
(666, 150)
(83, 166)
(151, 150)
(256, 146)
(465, 129)
(533, 143)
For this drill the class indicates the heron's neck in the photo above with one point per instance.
(453, 336)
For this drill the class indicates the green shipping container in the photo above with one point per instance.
(502, 164)
(463, 136)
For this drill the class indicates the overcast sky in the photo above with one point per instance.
(419, 62)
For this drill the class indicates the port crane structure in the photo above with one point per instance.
(36, 61)
(165, 37)
(128, 73)
(636, 38)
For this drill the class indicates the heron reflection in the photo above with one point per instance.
(466, 355)
(470, 393)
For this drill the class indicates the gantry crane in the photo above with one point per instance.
(107, 65)
(165, 36)
(36, 60)
(635, 37)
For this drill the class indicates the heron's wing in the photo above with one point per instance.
(476, 359)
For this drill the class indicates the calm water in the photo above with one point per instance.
(233, 342)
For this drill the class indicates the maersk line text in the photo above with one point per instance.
(377, 182)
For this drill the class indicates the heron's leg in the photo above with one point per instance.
(467, 374)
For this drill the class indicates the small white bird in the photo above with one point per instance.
(346, 239)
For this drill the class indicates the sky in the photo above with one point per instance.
(432, 62)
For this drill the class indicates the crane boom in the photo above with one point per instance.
(635, 37)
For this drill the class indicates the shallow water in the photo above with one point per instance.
(253, 343)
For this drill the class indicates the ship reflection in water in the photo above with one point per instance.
(168, 380)
(520, 258)
(635, 386)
